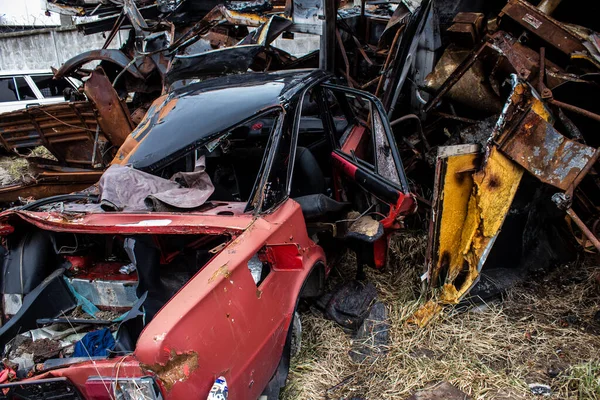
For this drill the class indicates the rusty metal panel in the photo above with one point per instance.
(113, 115)
(50, 183)
(455, 166)
(545, 152)
(67, 130)
(471, 204)
(543, 26)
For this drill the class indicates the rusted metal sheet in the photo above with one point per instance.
(467, 29)
(471, 204)
(67, 130)
(77, 133)
(65, 9)
(539, 148)
(222, 13)
(460, 74)
(81, 135)
(113, 116)
(453, 78)
(50, 181)
(543, 26)
(471, 88)
(454, 169)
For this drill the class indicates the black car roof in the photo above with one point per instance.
(186, 117)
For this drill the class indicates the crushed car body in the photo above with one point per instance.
(199, 291)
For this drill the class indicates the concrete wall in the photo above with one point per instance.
(27, 13)
(45, 48)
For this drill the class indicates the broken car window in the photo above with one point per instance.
(364, 138)
(25, 92)
(312, 165)
(357, 139)
(234, 159)
(49, 86)
(340, 118)
(8, 91)
(230, 161)
(274, 189)
(386, 166)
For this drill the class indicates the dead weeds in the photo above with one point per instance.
(545, 331)
(15, 169)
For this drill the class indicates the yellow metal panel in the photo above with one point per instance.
(494, 189)
(458, 184)
(474, 207)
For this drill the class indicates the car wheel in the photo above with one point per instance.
(296, 340)
(290, 349)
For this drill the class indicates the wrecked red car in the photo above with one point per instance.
(188, 261)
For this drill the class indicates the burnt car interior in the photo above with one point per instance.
(233, 158)
(118, 282)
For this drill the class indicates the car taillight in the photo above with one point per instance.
(6, 229)
(104, 388)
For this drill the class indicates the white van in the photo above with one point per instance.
(20, 89)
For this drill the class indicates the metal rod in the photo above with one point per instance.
(95, 145)
(573, 130)
(371, 82)
(457, 118)
(548, 6)
(542, 70)
(586, 231)
(575, 109)
(388, 59)
(344, 56)
(327, 47)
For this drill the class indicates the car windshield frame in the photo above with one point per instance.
(256, 198)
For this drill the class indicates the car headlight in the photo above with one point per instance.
(104, 388)
(255, 265)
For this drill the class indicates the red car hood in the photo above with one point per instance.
(223, 219)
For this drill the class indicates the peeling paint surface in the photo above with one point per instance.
(551, 157)
(474, 207)
(458, 185)
(177, 369)
(494, 191)
(222, 271)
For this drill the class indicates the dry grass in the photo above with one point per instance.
(14, 169)
(540, 331)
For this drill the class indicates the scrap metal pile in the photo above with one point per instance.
(171, 44)
(517, 187)
(202, 154)
(518, 86)
(494, 116)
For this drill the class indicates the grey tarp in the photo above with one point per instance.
(129, 189)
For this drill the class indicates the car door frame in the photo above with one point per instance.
(397, 195)
(403, 185)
